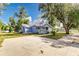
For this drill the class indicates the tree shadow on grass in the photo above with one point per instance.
(63, 41)
(57, 36)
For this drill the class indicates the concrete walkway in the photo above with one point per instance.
(34, 46)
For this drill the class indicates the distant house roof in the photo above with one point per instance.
(39, 22)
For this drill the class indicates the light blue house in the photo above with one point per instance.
(39, 26)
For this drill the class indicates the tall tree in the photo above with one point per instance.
(21, 15)
(65, 13)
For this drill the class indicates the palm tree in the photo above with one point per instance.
(21, 15)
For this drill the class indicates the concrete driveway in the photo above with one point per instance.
(34, 46)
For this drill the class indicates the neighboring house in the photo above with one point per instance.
(59, 26)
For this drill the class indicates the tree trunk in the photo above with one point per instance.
(67, 31)
(54, 33)
(66, 28)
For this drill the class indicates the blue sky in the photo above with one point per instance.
(31, 9)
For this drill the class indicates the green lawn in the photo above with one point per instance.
(57, 36)
(14, 35)
(9, 35)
